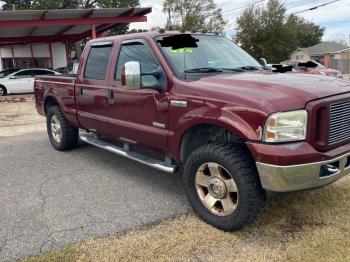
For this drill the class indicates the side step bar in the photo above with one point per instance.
(157, 164)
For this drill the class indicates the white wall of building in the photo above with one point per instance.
(22, 51)
(5, 52)
(59, 55)
(41, 50)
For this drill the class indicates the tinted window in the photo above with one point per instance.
(96, 65)
(43, 72)
(136, 51)
(24, 74)
(7, 72)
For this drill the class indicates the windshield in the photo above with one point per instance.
(7, 72)
(319, 66)
(193, 56)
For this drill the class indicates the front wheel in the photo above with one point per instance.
(62, 135)
(223, 187)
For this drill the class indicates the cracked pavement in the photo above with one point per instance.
(50, 199)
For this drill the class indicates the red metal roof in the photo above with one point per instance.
(38, 26)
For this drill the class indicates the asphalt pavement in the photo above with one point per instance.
(49, 199)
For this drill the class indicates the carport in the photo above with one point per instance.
(22, 31)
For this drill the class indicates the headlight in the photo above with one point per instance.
(287, 126)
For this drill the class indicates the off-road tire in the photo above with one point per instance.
(4, 91)
(70, 134)
(238, 162)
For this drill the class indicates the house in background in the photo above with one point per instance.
(339, 60)
(317, 52)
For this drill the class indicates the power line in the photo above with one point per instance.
(299, 5)
(315, 7)
(243, 6)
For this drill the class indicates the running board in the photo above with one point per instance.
(151, 162)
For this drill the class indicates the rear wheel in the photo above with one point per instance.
(62, 135)
(3, 91)
(223, 187)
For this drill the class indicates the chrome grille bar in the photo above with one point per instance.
(339, 122)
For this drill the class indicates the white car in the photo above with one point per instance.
(22, 81)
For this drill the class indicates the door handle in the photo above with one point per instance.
(110, 96)
(81, 91)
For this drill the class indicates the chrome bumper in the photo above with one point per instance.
(305, 176)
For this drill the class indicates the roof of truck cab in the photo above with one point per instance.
(151, 34)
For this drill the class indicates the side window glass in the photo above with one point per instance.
(138, 51)
(97, 62)
(42, 72)
(24, 74)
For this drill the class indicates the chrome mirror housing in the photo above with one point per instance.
(131, 75)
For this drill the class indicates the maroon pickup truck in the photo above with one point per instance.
(199, 106)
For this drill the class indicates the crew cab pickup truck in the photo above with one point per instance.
(197, 105)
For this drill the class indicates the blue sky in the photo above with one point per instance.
(334, 17)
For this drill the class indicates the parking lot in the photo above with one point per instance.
(50, 199)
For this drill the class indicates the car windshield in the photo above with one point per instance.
(7, 72)
(319, 66)
(193, 56)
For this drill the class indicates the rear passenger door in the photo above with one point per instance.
(92, 88)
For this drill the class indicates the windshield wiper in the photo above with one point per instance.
(203, 70)
(232, 69)
(248, 68)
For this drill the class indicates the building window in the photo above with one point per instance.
(23, 63)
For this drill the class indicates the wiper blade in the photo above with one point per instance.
(203, 70)
(248, 68)
(233, 69)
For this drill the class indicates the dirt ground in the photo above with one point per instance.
(18, 116)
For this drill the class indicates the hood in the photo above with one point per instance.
(272, 91)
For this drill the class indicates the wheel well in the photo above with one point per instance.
(4, 88)
(203, 134)
(50, 101)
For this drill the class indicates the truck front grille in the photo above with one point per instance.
(339, 122)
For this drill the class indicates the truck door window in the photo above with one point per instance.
(141, 52)
(97, 62)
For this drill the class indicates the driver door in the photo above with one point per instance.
(143, 113)
(21, 82)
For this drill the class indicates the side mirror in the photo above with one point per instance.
(131, 75)
(263, 62)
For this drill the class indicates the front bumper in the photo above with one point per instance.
(304, 176)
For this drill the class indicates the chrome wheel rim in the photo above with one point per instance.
(2, 91)
(216, 189)
(56, 129)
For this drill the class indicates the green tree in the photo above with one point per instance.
(269, 32)
(18, 4)
(199, 15)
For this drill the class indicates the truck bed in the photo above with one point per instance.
(61, 87)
